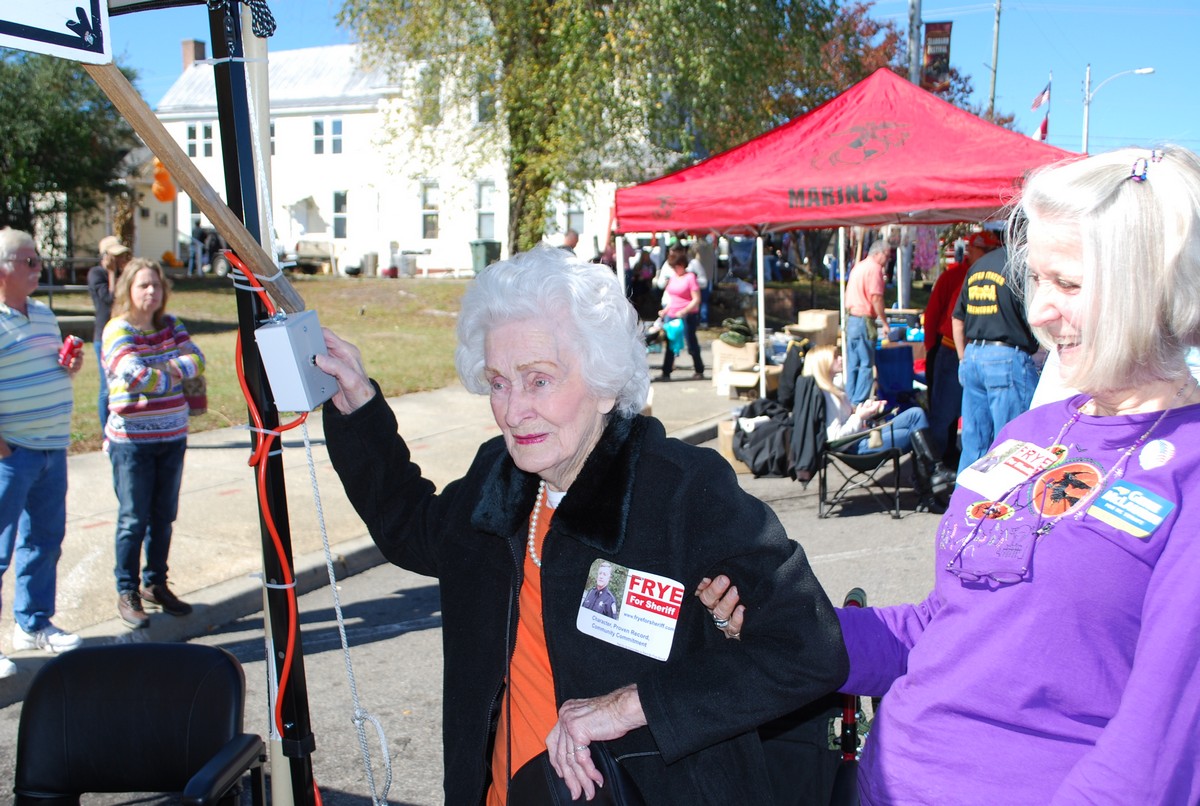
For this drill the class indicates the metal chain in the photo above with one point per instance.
(263, 21)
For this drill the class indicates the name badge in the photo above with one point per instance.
(1010, 463)
(635, 610)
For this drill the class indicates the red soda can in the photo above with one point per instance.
(71, 347)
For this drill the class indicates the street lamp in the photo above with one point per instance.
(1089, 93)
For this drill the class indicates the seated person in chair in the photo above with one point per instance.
(906, 431)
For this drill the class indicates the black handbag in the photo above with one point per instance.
(537, 784)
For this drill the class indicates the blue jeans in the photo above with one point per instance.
(897, 433)
(860, 358)
(998, 382)
(102, 401)
(691, 323)
(945, 400)
(146, 479)
(33, 522)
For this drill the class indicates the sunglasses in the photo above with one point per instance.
(1005, 558)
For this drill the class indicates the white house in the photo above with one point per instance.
(346, 171)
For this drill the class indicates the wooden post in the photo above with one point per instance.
(130, 104)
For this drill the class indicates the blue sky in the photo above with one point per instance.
(1036, 39)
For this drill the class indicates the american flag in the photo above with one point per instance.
(1042, 98)
(1042, 131)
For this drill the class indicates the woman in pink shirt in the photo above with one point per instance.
(682, 301)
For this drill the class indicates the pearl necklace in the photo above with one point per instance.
(533, 522)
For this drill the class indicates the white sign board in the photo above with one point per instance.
(70, 29)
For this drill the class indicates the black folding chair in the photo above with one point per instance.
(858, 471)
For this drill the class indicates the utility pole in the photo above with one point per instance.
(904, 254)
(995, 59)
(914, 41)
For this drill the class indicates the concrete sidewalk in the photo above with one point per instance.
(216, 551)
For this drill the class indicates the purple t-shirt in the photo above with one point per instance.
(1077, 684)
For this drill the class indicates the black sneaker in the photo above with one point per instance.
(161, 597)
(129, 605)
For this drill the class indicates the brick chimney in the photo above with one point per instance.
(193, 51)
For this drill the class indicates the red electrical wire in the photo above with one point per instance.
(258, 460)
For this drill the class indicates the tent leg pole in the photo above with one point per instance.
(842, 285)
(762, 320)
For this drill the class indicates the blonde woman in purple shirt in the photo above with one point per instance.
(1055, 660)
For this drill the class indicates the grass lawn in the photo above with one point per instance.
(404, 328)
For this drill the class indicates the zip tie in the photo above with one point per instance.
(272, 585)
(268, 278)
(230, 60)
(266, 431)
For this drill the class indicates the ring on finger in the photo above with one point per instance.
(579, 747)
(721, 623)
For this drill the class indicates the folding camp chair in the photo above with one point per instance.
(858, 471)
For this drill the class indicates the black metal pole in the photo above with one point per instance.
(233, 114)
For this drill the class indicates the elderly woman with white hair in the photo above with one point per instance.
(579, 478)
(1055, 660)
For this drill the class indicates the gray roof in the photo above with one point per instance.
(307, 78)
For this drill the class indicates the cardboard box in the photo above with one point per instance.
(818, 325)
(725, 446)
(726, 356)
(745, 384)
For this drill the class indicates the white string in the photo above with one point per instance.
(360, 715)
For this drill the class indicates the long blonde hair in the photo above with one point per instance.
(818, 365)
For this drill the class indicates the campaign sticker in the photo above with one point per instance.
(1131, 509)
(1156, 453)
(632, 609)
(1004, 467)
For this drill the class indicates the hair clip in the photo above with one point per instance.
(1138, 174)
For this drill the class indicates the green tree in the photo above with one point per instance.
(588, 89)
(61, 142)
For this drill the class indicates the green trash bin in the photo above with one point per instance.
(483, 254)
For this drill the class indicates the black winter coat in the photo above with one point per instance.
(643, 501)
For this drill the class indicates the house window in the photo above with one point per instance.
(272, 138)
(327, 136)
(199, 139)
(485, 215)
(430, 198)
(339, 214)
(485, 103)
(429, 101)
(194, 217)
(574, 212)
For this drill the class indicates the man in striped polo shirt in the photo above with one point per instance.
(35, 430)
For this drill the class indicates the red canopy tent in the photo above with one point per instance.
(884, 151)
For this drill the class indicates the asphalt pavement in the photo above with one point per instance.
(395, 627)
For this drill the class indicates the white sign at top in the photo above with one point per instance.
(71, 29)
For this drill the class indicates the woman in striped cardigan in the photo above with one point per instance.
(147, 354)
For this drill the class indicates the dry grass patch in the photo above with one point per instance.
(404, 328)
